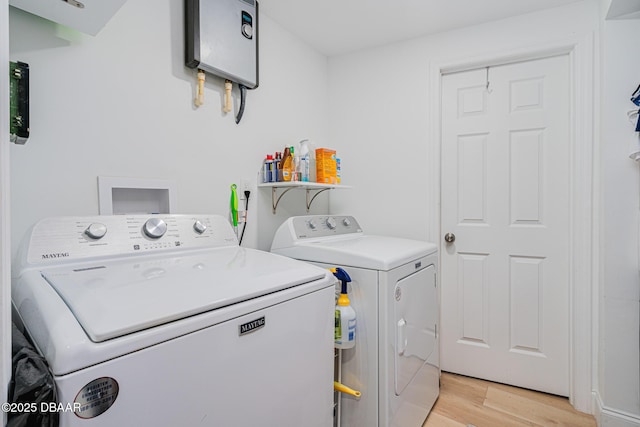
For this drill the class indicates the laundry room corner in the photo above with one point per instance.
(122, 105)
(421, 202)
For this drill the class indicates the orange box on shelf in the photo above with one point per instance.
(326, 171)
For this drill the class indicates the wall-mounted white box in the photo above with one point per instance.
(123, 195)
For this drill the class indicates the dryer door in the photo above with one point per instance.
(415, 317)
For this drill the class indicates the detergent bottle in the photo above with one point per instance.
(345, 317)
(287, 162)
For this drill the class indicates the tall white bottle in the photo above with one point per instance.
(305, 161)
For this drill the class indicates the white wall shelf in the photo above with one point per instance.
(310, 187)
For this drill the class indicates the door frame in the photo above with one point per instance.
(5, 240)
(583, 215)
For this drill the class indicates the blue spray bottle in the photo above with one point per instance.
(345, 323)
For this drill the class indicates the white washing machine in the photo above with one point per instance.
(395, 362)
(166, 321)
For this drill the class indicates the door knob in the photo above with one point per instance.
(449, 237)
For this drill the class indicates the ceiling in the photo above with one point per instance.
(335, 27)
(624, 9)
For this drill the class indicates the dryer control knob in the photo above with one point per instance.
(331, 223)
(155, 228)
(96, 230)
(199, 227)
(311, 224)
(346, 222)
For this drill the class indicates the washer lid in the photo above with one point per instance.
(364, 251)
(120, 297)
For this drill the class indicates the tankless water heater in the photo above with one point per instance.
(222, 39)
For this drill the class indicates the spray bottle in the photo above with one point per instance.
(345, 323)
(304, 160)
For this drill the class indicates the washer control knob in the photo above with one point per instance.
(199, 227)
(331, 223)
(346, 222)
(312, 225)
(155, 228)
(96, 230)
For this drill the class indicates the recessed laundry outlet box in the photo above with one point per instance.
(123, 195)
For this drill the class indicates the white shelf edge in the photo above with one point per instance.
(301, 184)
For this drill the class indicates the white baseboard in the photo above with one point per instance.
(607, 417)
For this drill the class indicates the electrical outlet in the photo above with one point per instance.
(244, 186)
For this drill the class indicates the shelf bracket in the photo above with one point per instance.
(312, 191)
(275, 199)
(310, 200)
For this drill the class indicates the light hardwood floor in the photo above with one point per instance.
(468, 401)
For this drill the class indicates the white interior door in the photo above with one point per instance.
(505, 198)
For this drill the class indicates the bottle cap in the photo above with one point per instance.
(343, 300)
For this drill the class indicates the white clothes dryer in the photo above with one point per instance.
(166, 321)
(395, 362)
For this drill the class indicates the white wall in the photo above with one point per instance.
(121, 104)
(619, 375)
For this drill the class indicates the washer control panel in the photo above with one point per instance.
(63, 239)
(313, 226)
